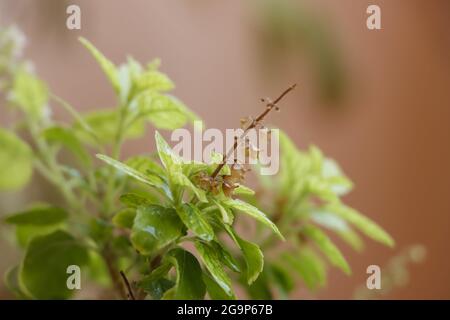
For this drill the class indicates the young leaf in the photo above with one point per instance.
(148, 179)
(243, 190)
(253, 256)
(154, 228)
(107, 66)
(324, 243)
(40, 216)
(44, 266)
(367, 226)
(15, 161)
(168, 158)
(195, 221)
(153, 81)
(213, 263)
(189, 283)
(252, 211)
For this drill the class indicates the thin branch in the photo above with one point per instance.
(269, 106)
(127, 284)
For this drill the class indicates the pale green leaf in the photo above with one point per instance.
(107, 66)
(213, 263)
(364, 224)
(15, 161)
(252, 211)
(328, 248)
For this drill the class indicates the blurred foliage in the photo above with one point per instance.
(395, 274)
(289, 30)
(137, 215)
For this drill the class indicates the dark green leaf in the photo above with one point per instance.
(189, 283)
(124, 218)
(38, 216)
(44, 267)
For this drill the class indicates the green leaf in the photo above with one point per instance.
(225, 256)
(227, 215)
(152, 80)
(164, 111)
(68, 139)
(15, 161)
(154, 228)
(27, 232)
(145, 165)
(145, 178)
(158, 287)
(134, 200)
(107, 66)
(195, 221)
(169, 159)
(309, 266)
(104, 124)
(214, 290)
(282, 278)
(352, 239)
(324, 243)
(29, 93)
(364, 224)
(252, 211)
(261, 288)
(38, 216)
(253, 256)
(189, 283)
(124, 218)
(43, 270)
(243, 190)
(213, 263)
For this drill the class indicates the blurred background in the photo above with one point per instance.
(378, 101)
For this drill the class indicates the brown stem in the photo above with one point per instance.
(269, 106)
(114, 273)
(127, 284)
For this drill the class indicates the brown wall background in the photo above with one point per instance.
(390, 134)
